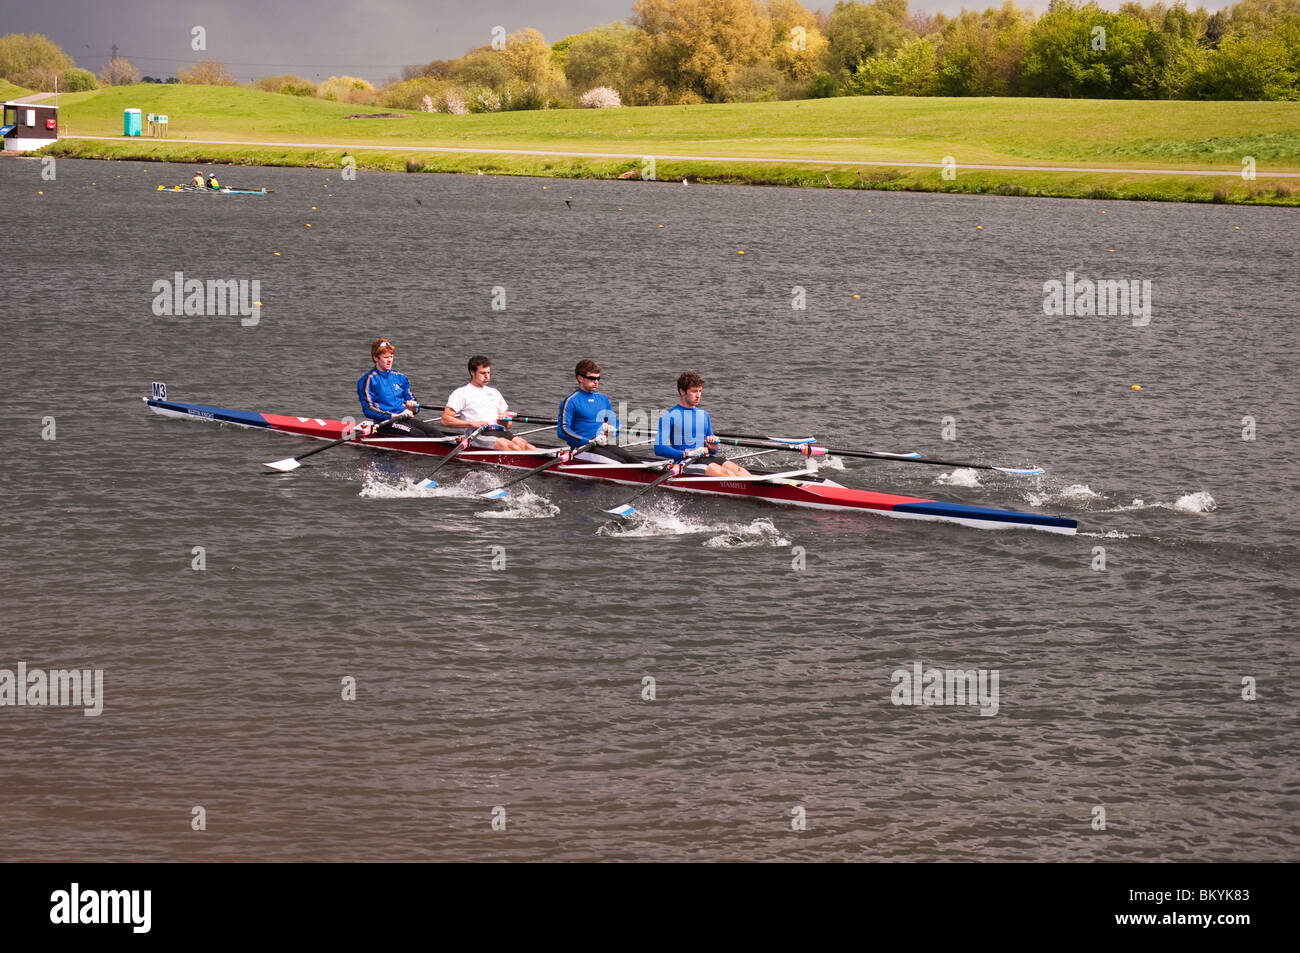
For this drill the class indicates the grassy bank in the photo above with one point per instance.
(1171, 136)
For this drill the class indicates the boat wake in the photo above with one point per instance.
(1081, 495)
(1197, 504)
(666, 521)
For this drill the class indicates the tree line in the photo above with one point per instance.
(696, 51)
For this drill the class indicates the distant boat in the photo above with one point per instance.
(224, 190)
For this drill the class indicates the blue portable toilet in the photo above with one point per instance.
(132, 124)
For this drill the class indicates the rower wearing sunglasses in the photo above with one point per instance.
(585, 412)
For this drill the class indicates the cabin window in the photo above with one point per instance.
(11, 116)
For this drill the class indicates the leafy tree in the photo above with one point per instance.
(119, 71)
(482, 68)
(1242, 68)
(207, 73)
(911, 70)
(1065, 55)
(798, 44)
(691, 50)
(32, 60)
(859, 31)
(1173, 53)
(982, 54)
(600, 57)
(528, 58)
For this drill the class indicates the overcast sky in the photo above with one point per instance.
(315, 39)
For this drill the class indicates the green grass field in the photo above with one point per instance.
(10, 91)
(902, 130)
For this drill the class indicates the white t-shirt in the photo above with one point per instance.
(477, 403)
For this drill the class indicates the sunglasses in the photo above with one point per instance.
(592, 377)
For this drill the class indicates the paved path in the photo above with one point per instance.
(779, 160)
(32, 98)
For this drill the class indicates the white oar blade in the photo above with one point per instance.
(626, 510)
(426, 484)
(1032, 471)
(500, 493)
(284, 466)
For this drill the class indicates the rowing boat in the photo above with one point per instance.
(802, 487)
(224, 190)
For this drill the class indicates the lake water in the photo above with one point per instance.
(1122, 654)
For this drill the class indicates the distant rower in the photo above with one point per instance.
(585, 412)
(197, 181)
(686, 427)
(212, 181)
(478, 405)
(384, 392)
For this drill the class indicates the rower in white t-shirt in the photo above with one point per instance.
(478, 405)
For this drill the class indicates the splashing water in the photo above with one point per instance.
(962, 476)
(521, 504)
(665, 519)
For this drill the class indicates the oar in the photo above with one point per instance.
(671, 469)
(292, 463)
(564, 456)
(881, 455)
(429, 482)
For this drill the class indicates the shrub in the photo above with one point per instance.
(823, 86)
(484, 101)
(78, 80)
(602, 97)
(207, 73)
(287, 85)
(348, 89)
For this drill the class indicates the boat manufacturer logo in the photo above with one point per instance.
(946, 686)
(1107, 297)
(179, 296)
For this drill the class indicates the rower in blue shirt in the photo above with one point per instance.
(686, 427)
(384, 392)
(585, 412)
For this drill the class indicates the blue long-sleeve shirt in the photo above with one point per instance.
(383, 394)
(582, 415)
(682, 429)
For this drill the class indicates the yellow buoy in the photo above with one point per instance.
(1237, 227)
(313, 208)
(309, 224)
(277, 254)
(740, 253)
(1136, 387)
(856, 297)
(981, 227)
(39, 192)
(661, 226)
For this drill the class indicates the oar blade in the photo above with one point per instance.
(426, 484)
(624, 511)
(285, 465)
(1031, 471)
(500, 493)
